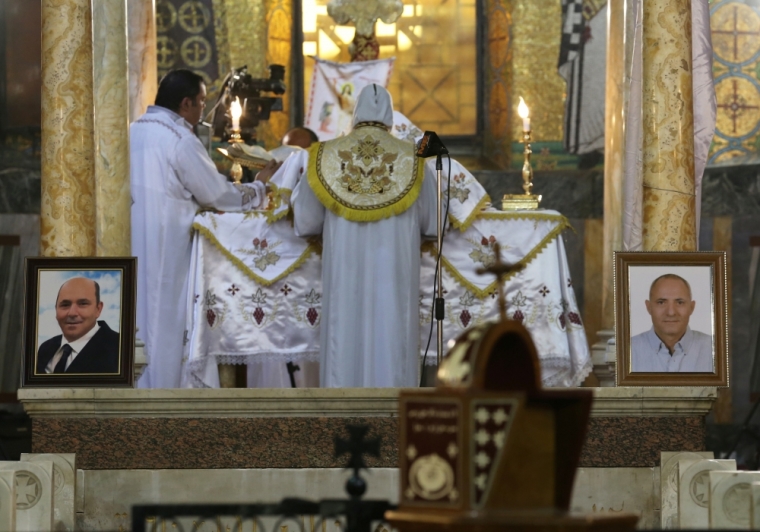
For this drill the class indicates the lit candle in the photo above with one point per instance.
(524, 113)
(236, 110)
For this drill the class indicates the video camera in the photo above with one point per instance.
(240, 84)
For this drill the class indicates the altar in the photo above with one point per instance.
(255, 292)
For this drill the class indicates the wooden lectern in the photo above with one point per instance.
(488, 448)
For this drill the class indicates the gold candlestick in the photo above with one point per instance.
(526, 201)
(236, 172)
(236, 111)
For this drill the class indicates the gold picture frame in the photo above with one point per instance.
(671, 318)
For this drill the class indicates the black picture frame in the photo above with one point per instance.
(117, 275)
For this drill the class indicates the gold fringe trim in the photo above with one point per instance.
(245, 269)
(360, 215)
(279, 196)
(463, 226)
(532, 254)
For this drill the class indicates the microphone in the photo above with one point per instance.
(430, 144)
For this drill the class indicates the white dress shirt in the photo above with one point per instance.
(692, 353)
(76, 347)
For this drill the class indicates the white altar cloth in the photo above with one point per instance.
(255, 293)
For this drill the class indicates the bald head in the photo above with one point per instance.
(302, 137)
(671, 277)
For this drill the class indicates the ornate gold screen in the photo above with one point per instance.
(434, 42)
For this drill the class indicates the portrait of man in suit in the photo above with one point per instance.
(86, 343)
(671, 344)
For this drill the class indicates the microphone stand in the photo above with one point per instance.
(439, 302)
(428, 146)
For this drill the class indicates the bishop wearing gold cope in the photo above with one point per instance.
(372, 201)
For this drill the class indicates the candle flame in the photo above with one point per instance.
(522, 109)
(236, 110)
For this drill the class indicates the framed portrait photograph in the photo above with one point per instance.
(671, 318)
(79, 322)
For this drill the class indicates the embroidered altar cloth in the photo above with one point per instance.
(256, 288)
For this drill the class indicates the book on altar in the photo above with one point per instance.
(257, 155)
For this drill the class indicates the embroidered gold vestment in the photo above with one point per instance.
(366, 176)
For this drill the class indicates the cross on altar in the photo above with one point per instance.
(500, 269)
(356, 446)
(736, 106)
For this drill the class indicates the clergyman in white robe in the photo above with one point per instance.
(369, 332)
(172, 176)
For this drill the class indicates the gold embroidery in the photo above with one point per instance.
(365, 176)
(373, 180)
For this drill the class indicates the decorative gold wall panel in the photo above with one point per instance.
(279, 22)
(498, 82)
(536, 33)
(67, 215)
(247, 35)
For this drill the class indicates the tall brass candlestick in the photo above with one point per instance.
(527, 201)
(236, 172)
(527, 169)
(236, 111)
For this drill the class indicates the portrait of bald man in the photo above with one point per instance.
(86, 344)
(670, 345)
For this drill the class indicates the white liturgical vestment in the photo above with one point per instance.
(172, 176)
(370, 326)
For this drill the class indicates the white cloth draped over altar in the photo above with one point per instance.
(255, 288)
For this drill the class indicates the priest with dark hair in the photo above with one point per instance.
(172, 176)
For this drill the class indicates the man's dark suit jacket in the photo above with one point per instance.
(99, 355)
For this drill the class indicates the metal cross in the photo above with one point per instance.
(356, 446)
(500, 269)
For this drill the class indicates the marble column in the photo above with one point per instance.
(614, 151)
(85, 150)
(67, 217)
(143, 71)
(111, 128)
(669, 209)
(614, 162)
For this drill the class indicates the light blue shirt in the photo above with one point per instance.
(692, 353)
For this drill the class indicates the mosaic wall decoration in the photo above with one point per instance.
(186, 38)
(735, 26)
(434, 82)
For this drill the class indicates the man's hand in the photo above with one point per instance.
(266, 173)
